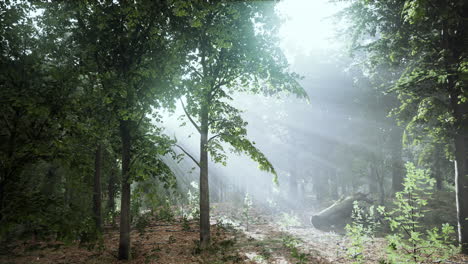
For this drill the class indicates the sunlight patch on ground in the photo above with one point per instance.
(259, 259)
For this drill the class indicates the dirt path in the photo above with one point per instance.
(267, 241)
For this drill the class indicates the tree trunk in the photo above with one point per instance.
(337, 213)
(437, 174)
(111, 191)
(2, 191)
(461, 170)
(7, 165)
(381, 179)
(321, 187)
(333, 183)
(97, 188)
(204, 187)
(293, 188)
(293, 172)
(372, 177)
(397, 162)
(124, 243)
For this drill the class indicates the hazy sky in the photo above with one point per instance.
(308, 27)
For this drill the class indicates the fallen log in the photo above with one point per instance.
(338, 212)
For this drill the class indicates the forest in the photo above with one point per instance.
(234, 131)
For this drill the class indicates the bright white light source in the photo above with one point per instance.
(308, 26)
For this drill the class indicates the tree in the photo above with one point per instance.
(128, 46)
(424, 44)
(232, 48)
(31, 126)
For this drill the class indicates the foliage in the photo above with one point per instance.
(409, 243)
(229, 54)
(292, 244)
(288, 220)
(142, 221)
(361, 230)
(247, 206)
(191, 210)
(185, 224)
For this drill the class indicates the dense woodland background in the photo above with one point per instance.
(115, 114)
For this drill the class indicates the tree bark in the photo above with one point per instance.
(461, 170)
(97, 188)
(436, 172)
(333, 183)
(124, 243)
(337, 213)
(397, 162)
(293, 188)
(204, 187)
(381, 179)
(7, 166)
(111, 191)
(321, 184)
(2, 191)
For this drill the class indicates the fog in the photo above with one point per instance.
(304, 138)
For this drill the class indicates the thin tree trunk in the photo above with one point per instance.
(397, 162)
(111, 191)
(333, 183)
(461, 170)
(293, 188)
(380, 179)
(7, 170)
(437, 174)
(321, 184)
(124, 243)
(204, 187)
(2, 191)
(372, 176)
(97, 188)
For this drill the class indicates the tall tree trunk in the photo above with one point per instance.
(321, 186)
(111, 191)
(381, 180)
(293, 188)
(97, 188)
(333, 183)
(436, 172)
(461, 169)
(2, 191)
(397, 162)
(204, 187)
(7, 165)
(124, 243)
(372, 176)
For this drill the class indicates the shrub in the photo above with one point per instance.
(409, 243)
(361, 230)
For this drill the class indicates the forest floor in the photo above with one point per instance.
(266, 240)
(163, 242)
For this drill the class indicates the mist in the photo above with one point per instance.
(175, 132)
(301, 137)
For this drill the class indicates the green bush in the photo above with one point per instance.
(410, 242)
(361, 230)
(288, 220)
(292, 244)
(246, 207)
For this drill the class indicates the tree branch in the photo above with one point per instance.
(7, 123)
(188, 154)
(196, 72)
(190, 118)
(215, 136)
